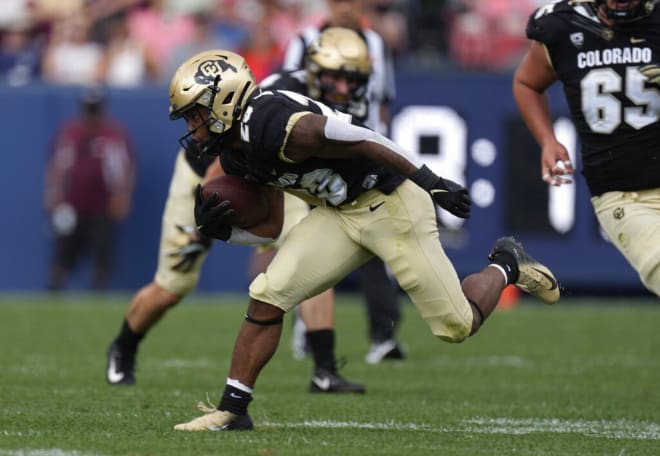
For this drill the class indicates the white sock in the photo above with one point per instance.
(238, 385)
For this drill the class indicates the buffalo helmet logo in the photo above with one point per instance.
(209, 69)
(577, 39)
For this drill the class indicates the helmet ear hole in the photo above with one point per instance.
(228, 98)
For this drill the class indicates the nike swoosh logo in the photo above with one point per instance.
(372, 208)
(235, 396)
(322, 383)
(114, 375)
(553, 282)
(634, 40)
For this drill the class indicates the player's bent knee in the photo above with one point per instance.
(449, 328)
(264, 314)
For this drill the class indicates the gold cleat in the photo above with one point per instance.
(533, 278)
(216, 420)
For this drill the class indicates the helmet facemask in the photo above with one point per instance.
(626, 11)
(354, 101)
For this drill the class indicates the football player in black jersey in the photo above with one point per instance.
(369, 199)
(606, 54)
(183, 249)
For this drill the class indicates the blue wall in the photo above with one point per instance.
(581, 258)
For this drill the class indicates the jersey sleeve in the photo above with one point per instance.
(544, 25)
(270, 119)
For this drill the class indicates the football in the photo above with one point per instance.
(246, 198)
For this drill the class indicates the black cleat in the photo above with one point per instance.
(533, 277)
(121, 367)
(324, 381)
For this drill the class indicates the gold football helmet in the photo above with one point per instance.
(340, 51)
(218, 80)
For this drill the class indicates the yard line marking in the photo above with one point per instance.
(45, 452)
(184, 363)
(619, 429)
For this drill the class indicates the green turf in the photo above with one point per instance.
(580, 378)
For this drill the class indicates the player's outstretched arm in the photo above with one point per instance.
(330, 137)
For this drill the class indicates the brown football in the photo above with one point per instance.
(246, 198)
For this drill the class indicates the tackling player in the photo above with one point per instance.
(369, 199)
(606, 55)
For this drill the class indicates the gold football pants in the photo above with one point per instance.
(632, 222)
(400, 228)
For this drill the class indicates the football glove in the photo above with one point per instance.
(652, 73)
(187, 255)
(447, 194)
(213, 219)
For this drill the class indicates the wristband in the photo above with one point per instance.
(425, 178)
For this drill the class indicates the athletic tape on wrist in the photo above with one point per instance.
(241, 236)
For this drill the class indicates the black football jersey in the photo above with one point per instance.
(296, 81)
(615, 111)
(264, 134)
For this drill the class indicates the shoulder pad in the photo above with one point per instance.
(554, 19)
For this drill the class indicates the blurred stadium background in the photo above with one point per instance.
(453, 62)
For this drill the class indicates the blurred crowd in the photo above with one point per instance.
(127, 43)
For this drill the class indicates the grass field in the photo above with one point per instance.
(579, 378)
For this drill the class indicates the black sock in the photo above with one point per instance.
(128, 340)
(508, 262)
(234, 400)
(322, 344)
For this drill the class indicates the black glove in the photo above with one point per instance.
(652, 73)
(187, 255)
(449, 195)
(212, 219)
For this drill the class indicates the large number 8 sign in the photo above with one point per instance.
(450, 159)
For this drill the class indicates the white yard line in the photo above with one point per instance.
(45, 452)
(620, 429)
